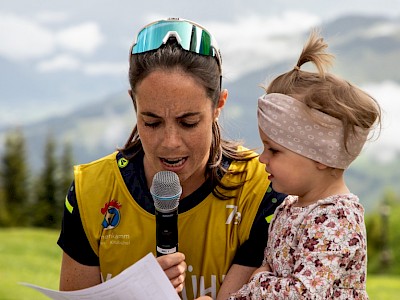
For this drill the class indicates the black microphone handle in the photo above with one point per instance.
(166, 232)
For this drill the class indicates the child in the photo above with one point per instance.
(313, 125)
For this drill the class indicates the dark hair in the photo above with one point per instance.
(205, 69)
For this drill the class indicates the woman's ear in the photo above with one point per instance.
(130, 93)
(223, 96)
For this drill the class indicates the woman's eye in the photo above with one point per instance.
(151, 124)
(189, 125)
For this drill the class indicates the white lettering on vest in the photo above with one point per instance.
(212, 289)
(234, 215)
(108, 277)
(198, 286)
(116, 239)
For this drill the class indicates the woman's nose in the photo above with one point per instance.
(171, 138)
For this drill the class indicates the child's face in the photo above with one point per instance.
(289, 173)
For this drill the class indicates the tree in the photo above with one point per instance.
(383, 236)
(14, 181)
(66, 169)
(47, 205)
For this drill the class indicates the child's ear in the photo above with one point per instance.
(321, 166)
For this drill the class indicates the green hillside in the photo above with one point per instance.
(370, 179)
(31, 255)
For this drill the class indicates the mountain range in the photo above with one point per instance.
(366, 49)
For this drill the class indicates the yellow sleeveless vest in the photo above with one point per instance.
(121, 232)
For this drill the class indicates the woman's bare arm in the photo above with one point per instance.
(237, 276)
(75, 276)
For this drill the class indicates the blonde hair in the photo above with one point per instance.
(326, 92)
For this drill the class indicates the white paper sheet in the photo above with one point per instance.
(143, 280)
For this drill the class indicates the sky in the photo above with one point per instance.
(45, 39)
(64, 35)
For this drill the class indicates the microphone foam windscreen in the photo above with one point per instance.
(166, 190)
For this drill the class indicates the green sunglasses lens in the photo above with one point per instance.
(189, 36)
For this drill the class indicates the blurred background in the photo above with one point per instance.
(64, 101)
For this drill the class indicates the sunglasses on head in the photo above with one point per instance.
(189, 35)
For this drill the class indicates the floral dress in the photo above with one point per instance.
(315, 252)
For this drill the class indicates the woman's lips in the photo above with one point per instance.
(173, 163)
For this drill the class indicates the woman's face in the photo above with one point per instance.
(174, 121)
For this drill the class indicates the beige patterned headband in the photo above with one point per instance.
(308, 132)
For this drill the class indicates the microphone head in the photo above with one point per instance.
(166, 191)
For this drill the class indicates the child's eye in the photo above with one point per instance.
(273, 151)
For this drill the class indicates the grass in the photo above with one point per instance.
(32, 255)
(382, 287)
(28, 255)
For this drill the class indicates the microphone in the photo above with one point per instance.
(166, 191)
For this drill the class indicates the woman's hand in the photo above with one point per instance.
(174, 266)
(265, 268)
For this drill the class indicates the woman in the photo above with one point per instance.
(175, 76)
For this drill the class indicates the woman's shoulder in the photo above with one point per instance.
(108, 157)
(251, 166)
(103, 162)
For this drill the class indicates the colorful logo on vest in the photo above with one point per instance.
(111, 214)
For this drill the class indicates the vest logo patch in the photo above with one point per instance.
(122, 162)
(111, 213)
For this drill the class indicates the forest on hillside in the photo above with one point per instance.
(30, 199)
